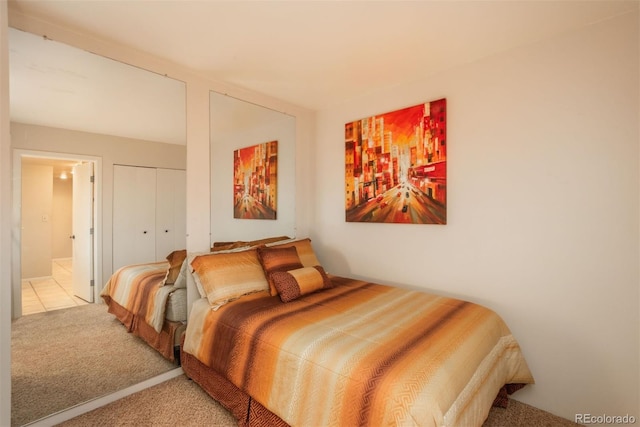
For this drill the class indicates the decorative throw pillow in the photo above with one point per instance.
(278, 259)
(175, 258)
(224, 277)
(305, 251)
(293, 284)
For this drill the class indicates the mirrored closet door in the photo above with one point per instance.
(68, 103)
(252, 170)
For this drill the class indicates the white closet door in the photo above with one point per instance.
(171, 202)
(134, 207)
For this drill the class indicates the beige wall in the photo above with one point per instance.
(37, 230)
(543, 187)
(110, 150)
(62, 218)
(46, 219)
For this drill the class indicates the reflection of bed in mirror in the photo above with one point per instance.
(67, 103)
(150, 302)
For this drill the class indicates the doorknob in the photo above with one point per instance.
(73, 236)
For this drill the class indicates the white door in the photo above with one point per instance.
(134, 207)
(171, 230)
(82, 231)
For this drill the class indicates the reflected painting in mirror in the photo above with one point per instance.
(241, 126)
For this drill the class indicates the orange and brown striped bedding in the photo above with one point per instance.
(139, 290)
(360, 353)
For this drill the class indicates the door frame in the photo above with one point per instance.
(16, 207)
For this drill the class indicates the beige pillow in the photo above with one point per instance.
(224, 277)
(181, 280)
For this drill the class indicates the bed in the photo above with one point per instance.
(151, 299)
(279, 341)
(150, 302)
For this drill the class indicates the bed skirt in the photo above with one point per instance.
(247, 411)
(250, 413)
(166, 342)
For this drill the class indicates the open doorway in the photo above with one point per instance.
(55, 251)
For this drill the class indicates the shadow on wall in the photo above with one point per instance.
(339, 264)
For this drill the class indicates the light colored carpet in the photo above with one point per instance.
(177, 402)
(64, 357)
(521, 414)
(180, 401)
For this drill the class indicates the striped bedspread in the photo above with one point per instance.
(361, 354)
(139, 290)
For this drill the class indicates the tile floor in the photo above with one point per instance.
(50, 293)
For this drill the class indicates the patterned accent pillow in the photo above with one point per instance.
(278, 259)
(293, 284)
(175, 258)
(224, 277)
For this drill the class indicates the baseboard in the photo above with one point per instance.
(28, 279)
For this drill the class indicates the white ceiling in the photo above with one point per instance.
(316, 54)
(53, 84)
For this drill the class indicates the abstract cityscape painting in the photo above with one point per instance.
(396, 166)
(255, 181)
